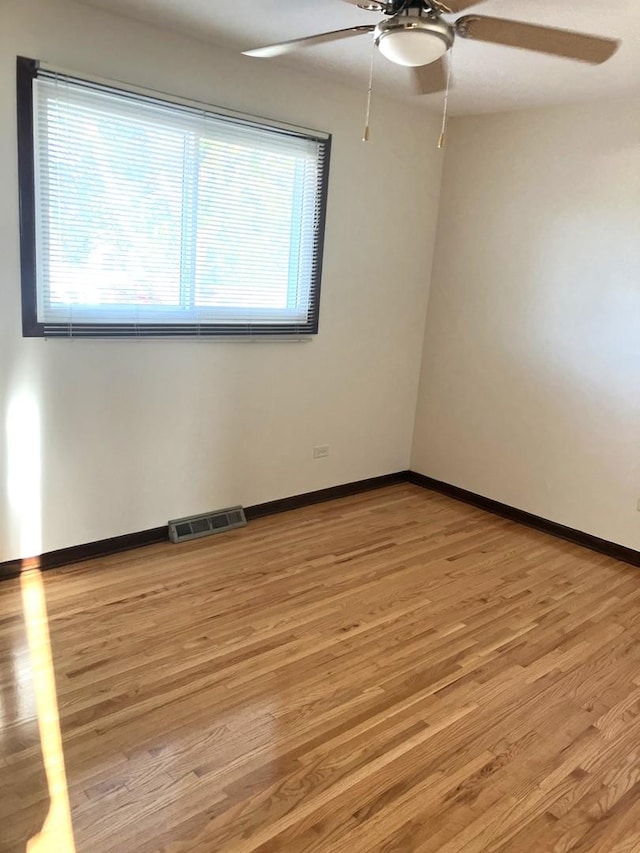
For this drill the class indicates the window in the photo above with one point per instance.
(145, 217)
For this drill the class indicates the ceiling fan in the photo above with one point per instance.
(416, 34)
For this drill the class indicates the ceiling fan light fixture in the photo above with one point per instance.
(413, 41)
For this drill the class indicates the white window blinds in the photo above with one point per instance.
(155, 218)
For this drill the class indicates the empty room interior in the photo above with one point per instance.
(319, 426)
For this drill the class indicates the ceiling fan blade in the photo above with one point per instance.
(455, 6)
(285, 47)
(369, 5)
(431, 78)
(541, 39)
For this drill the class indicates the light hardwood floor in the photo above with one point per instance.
(394, 671)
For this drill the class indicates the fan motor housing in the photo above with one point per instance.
(416, 25)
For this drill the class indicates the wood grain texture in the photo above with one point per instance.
(392, 671)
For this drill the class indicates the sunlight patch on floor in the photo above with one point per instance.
(57, 831)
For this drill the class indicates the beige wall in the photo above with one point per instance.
(530, 387)
(136, 433)
(530, 384)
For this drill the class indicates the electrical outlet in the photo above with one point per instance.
(320, 451)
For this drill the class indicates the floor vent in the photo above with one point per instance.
(196, 526)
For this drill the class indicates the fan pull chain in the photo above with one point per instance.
(365, 135)
(445, 116)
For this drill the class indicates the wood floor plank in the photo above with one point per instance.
(392, 671)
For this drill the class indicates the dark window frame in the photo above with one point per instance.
(26, 73)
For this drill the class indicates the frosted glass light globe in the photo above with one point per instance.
(412, 47)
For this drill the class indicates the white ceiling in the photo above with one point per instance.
(488, 78)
